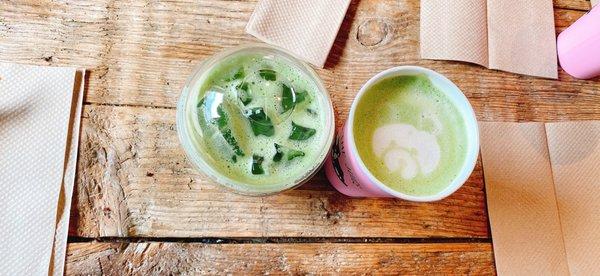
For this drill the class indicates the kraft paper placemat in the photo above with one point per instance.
(37, 165)
(523, 163)
(306, 28)
(513, 36)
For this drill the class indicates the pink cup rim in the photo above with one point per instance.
(450, 89)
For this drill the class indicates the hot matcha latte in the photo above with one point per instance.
(410, 135)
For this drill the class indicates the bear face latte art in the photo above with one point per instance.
(411, 134)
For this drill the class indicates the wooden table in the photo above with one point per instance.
(140, 208)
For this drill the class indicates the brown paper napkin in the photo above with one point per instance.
(454, 30)
(543, 190)
(306, 28)
(36, 165)
(526, 231)
(513, 36)
(575, 155)
(522, 37)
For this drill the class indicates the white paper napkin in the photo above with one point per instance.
(37, 164)
(57, 261)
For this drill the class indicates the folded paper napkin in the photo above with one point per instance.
(513, 36)
(543, 191)
(39, 128)
(306, 28)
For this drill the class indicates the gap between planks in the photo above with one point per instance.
(131, 105)
(278, 240)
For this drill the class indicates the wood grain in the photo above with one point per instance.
(583, 5)
(297, 259)
(142, 52)
(134, 180)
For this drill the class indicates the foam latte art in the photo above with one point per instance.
(406, 149)
(410, 135)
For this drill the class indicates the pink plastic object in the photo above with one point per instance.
(579, 46)
(349, 175)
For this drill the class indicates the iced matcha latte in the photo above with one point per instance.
(256, 120)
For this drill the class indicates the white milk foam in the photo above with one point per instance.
(404, 148)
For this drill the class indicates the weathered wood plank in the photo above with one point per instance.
(140, 53)
(134, 180)
(296, 259)
(583, 5)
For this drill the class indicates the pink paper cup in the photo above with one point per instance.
(349, 175)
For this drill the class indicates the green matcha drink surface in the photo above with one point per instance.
(410, 135)
(260, 120)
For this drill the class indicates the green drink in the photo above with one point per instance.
(410, 135)
(256, 120)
